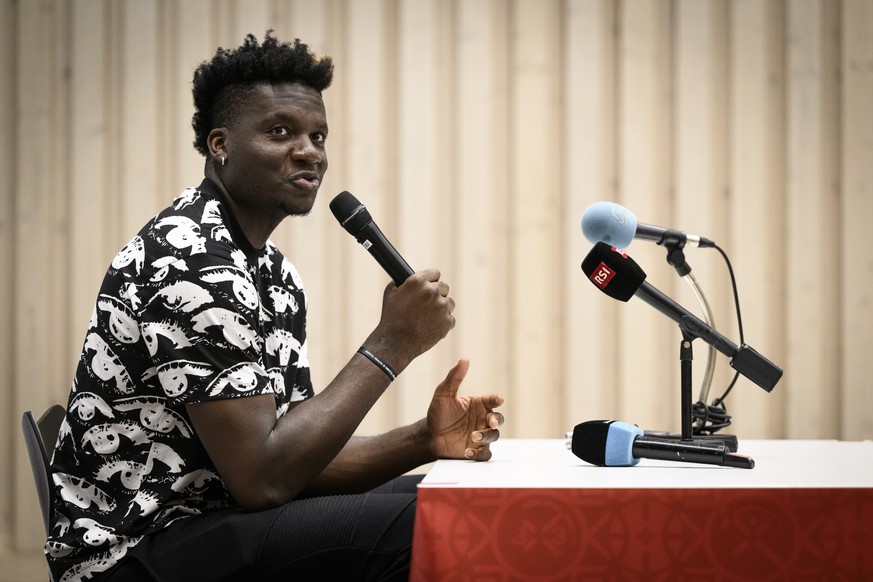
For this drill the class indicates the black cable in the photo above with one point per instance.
(714, 417)
(736, 294)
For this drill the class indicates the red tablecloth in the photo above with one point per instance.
(650, 522)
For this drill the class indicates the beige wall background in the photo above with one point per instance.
(476, 132)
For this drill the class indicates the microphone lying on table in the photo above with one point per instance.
(612, 443)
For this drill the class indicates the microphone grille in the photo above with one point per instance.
(349, 212)
(589, 441)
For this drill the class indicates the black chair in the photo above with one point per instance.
(37, 435)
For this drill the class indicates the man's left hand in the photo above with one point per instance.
(462, 427)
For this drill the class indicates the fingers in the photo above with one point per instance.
(485, 436)
(433, 276)
(426, 275)
(449, 387)
(495, 419)
(492, 401)
(488, 435)
(418, 314)
(429, 275)
(450, 301)
(480, 454)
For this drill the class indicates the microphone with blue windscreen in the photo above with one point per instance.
(612, 443)
(617, 226)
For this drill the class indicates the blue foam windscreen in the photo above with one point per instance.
(610, 223)
(606, 443)
(619, 444)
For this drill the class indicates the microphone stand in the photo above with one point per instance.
(676, 259)
(710, 321)
(686, 355)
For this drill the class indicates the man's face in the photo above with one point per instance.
(276, 157)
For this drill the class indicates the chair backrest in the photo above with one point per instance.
(39, 434)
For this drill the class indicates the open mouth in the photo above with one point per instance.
(306, 180)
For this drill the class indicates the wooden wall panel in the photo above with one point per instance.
(9, 399)
(701, 175)
(536, 217)
(856, 279)
(650, 343)
(39, 212)
(476, 131)
(423, 200)
(370, 138)
(757, 210)
(186, 41)
(93, 192)
(590, 345)
(812, 211)
(141, 110)
(477, 162)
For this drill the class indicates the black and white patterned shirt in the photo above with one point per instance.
(188, 312)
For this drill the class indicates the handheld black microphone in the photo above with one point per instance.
(614, 224)
(611, 443)
(355, 218)
(619, 276)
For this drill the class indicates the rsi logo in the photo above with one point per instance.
(602, 275)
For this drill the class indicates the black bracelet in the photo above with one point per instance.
(379, 363)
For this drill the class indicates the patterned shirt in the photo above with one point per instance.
(188, 312)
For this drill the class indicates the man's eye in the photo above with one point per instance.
(279, 130)
(318, 137)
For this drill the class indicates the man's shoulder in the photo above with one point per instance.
(193, 207)
(192, 225)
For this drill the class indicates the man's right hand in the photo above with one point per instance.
(415, 317)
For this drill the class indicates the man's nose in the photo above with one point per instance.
(304, 149)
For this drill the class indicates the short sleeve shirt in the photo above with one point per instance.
(188, 312)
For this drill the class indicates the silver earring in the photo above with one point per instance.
(223, 160)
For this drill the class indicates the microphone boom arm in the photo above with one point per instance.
(688, 323)
(744, 359)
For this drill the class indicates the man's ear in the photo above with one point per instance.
(216, 141)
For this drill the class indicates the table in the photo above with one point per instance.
(537, 512)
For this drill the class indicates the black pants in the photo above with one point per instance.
(342, 537)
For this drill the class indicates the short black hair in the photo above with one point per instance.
(221, 84)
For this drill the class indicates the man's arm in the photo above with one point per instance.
(266, 462)
(368, 461)
(456, 427)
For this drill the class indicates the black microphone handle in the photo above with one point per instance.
(669, 236)
(649, 232)
(687, 321)
(372, 239)
(706, 453)
(744, 359)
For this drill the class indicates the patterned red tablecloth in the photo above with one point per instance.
(468, 529)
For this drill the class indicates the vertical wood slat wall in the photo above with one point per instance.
(476, 131)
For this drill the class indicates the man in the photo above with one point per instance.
(194, 446)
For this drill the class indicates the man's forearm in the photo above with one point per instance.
(368, 461)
